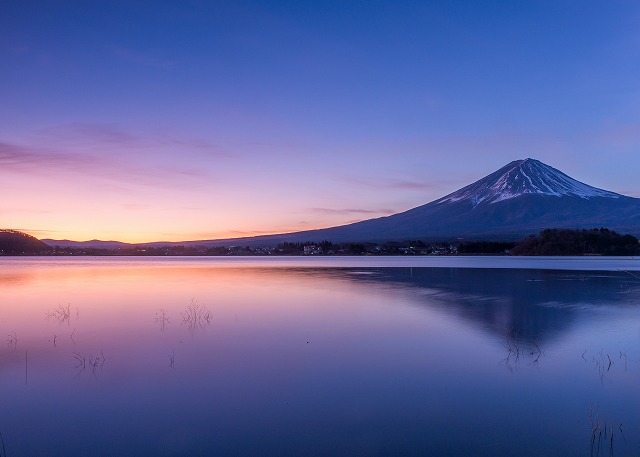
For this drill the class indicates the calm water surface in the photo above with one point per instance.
(338, 356)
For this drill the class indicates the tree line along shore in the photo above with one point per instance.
(549, 242)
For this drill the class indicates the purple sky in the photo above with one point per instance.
(191, 120)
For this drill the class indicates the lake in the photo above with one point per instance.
(451, 356)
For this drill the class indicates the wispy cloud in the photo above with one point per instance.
(111, 152)
(344, 211)
(39, 161)
(27, 159)
(244, 233)
(391, 183)
(193, 144)
(106, 136)
(37, 232)
(89, 134)
(222, 235)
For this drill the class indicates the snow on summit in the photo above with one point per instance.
(522, 177)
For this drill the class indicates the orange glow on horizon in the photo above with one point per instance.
(147, 237)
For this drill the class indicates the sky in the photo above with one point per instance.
(148, 121)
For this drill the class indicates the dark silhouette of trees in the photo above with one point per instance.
(14, 242)
(485, 247)
(600, 241)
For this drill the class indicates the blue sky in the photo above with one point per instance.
(185, 120)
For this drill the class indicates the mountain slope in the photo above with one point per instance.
(524, 177)
(521, 198)
(96, 244)
(14, 242)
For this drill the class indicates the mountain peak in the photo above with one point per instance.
(524, 177)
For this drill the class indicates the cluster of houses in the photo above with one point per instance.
(381, 249)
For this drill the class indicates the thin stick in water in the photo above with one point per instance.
(4, 452)
(628, 272)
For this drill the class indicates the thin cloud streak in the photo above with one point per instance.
(391, 184)
(351, 211)
(25, 158)
(82, 133)
(103, 137)
(38, 161)
(107, 151)
(204, 236)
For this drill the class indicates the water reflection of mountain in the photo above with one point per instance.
(535, 305)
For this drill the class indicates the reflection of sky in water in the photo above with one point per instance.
(300, 361)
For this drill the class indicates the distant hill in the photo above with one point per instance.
(14, 242)
(97, 244)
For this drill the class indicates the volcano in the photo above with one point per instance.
(520, 199)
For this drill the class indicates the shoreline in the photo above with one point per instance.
(567, 263)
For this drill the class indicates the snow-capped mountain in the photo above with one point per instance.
(520, 199)
(524, 177)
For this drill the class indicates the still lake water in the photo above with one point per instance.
(323, 356)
